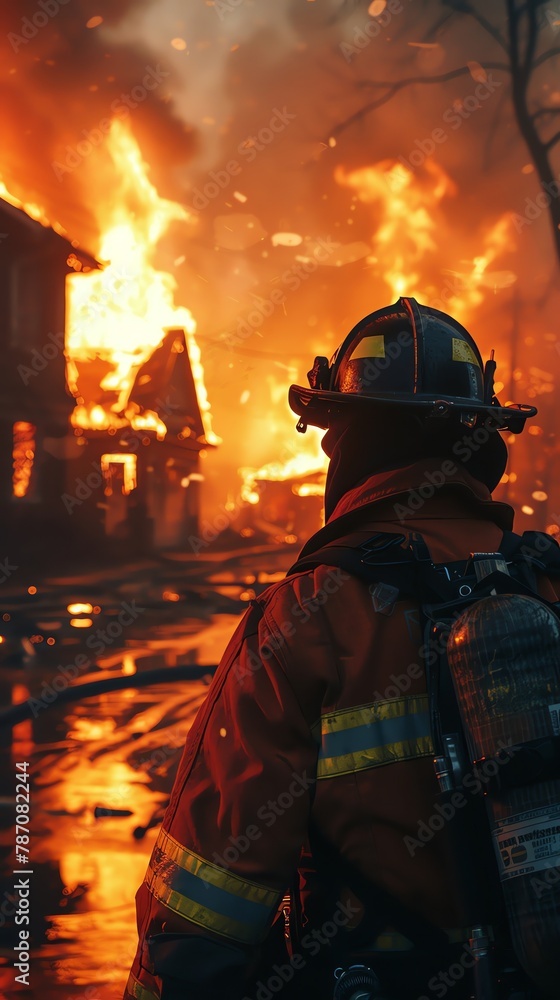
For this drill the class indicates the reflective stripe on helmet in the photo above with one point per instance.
(383, 732)
(208, 895)
(369, 347)
(461, 351)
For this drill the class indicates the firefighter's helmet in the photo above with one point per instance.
(407, 355)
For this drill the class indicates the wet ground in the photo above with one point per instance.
(101, 767)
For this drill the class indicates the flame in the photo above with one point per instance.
(305, 459)
(128, 463)
(118, 315)
(406, 237)
(23, 455)
(406, 247)
(30, 208)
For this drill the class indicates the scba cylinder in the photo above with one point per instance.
(504, 657)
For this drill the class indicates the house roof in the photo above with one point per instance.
(165, 385)
(18, 225)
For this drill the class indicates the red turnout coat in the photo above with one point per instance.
(318, 709)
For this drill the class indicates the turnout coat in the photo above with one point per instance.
(317, 714)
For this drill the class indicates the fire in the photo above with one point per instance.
(30, 208)
(307, 457)
(406, 236)
(309, 461)
(407, 251)
(118, 315)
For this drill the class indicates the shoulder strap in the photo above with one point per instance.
(394, 559)
(399, 562)
(533, 547)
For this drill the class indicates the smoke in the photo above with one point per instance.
(208, 132)
(60, 81)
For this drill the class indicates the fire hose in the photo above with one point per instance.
(75, 692)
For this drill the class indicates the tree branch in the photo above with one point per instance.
(464, 7)
(528, 64)
(393, 86)
(545, 111)
(552, 142)
(549, 54)
(513, 40)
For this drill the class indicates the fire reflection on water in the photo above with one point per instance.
(98, 790)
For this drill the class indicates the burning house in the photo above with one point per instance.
(135, 472)
(35, 406)
(104, 414)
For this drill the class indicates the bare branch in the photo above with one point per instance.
(533, 34)
(552, 142)
(549, 54)
(435, 29)
(464, 7)
(396, 85)
(513, 40)
(393, 86)
(505, 95)
(545, 111)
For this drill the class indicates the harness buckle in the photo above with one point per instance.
(384, 597)
(483, 564)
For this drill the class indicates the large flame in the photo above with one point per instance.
(406, 243)
(119, 314)
(408, 256)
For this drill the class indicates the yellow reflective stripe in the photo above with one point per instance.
(209, 895)
(393, 753)
(139, 992)
(373, 711)
(369, 347)
(382, 732)
(393, 941)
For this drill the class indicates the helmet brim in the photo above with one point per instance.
(313, 405)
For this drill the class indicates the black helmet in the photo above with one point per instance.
(407, 355)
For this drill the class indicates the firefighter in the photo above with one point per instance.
(316, 728)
